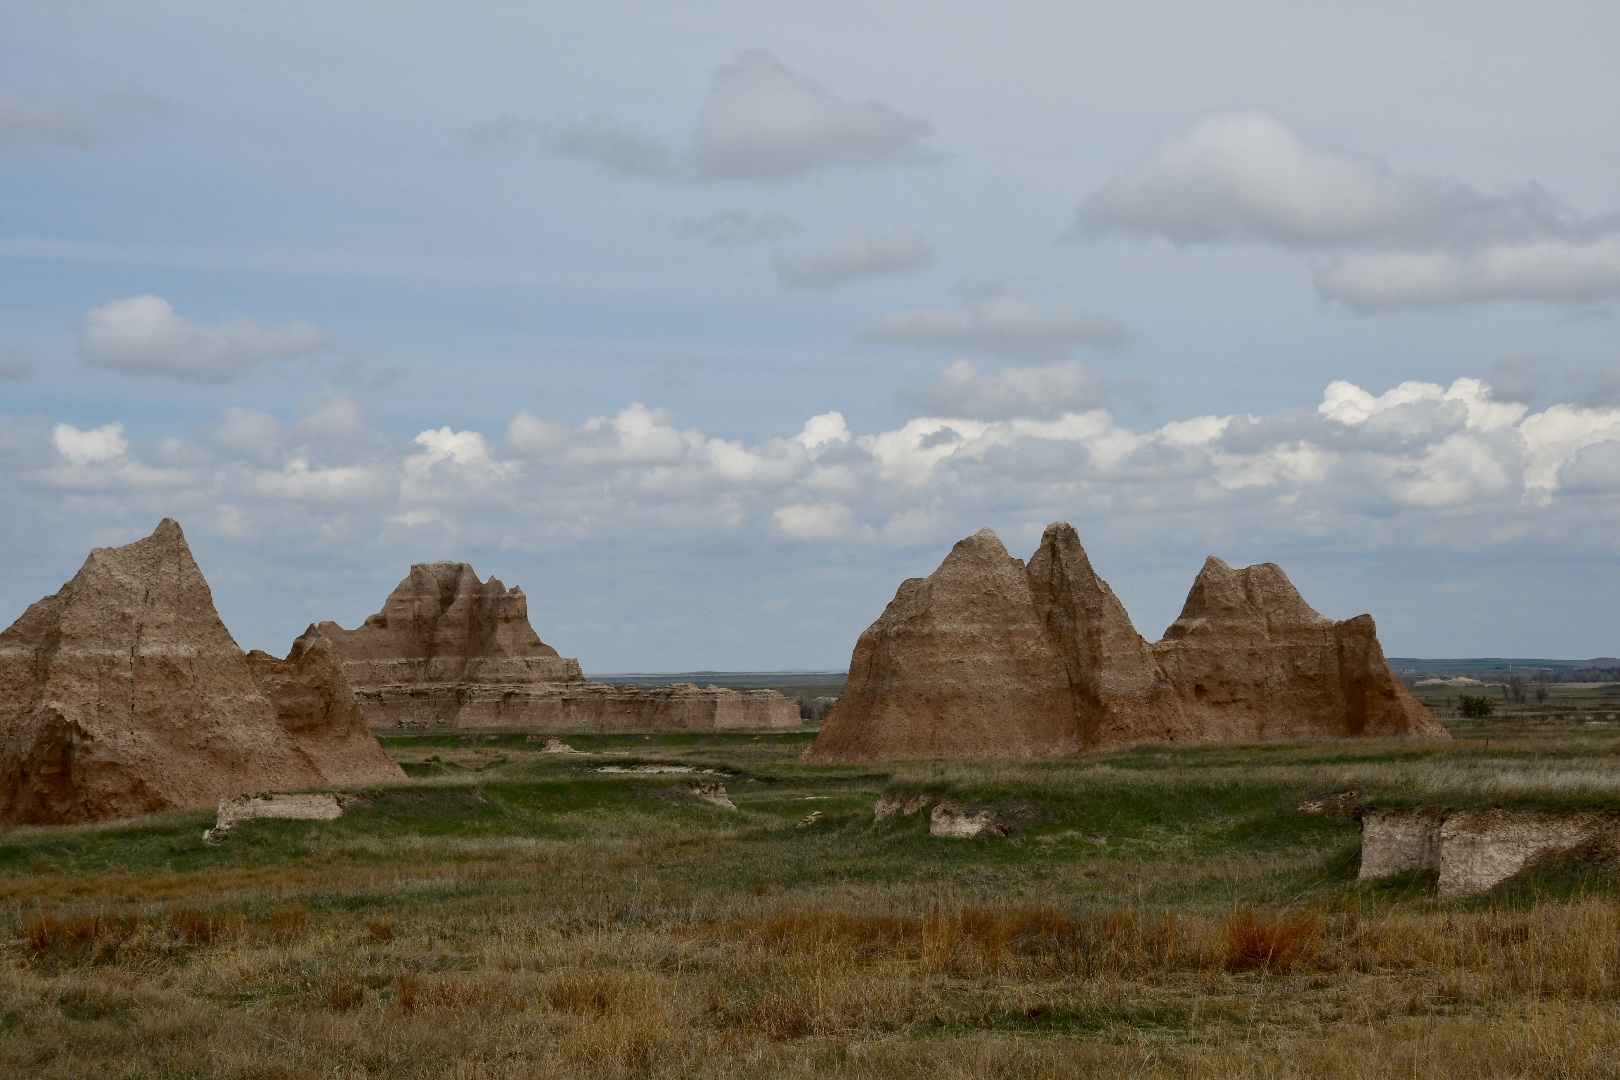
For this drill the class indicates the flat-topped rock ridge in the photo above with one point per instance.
(988, 657)
(451, 651)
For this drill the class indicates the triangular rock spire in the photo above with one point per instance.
(123, 693)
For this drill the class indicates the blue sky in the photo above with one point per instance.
(709, 323)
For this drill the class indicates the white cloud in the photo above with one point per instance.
(66, 121)
(733, 228)
(1393, 239)
(1045, 390)
(762, 121)
(857, 255)
(13, 365)
(142, 335)
(85, 447)
(998, 323)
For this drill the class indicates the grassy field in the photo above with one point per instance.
(1154, 912)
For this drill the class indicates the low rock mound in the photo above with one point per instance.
(124, 694)
(451, 651)
(988, 658)
(1473, 851)
(957, 822)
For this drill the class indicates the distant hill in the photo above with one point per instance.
(1497, 668)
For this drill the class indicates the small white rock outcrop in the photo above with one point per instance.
(232, 812)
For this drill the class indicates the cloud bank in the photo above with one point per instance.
(143, 335)
(1393, 239)
(1421, 464)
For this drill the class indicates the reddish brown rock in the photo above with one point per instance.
(451, 651)
(959, 665)
(1252, 660)
(124, 694)
(315, 704)
(987, 658)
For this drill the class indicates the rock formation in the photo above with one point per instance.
(448, 650)
(442, 626)
(1472, 851)
(316, 706)
(124, 694)
(1252, 660)
(959, 665)
(989, 658)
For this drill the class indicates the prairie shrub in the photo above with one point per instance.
(1255, 943)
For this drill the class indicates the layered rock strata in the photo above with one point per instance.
(316, 706)
(124, 694)
(988, 657)
(451, 651)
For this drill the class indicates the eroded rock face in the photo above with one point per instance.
(961, 665)
(988, 658)
(124, 694)
(451, 651)
(1120, 692)
(315, 704)
(441, 625)
(1252, 660)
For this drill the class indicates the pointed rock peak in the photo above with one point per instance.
(981, 545)
(169, 530)
(1060, 543)
(1261, 592)
(981, 553)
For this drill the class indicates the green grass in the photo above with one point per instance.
(557, 920)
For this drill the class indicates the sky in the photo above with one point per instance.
(707, 324)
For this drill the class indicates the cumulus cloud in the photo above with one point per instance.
(1045, 390)
(83, 447)
(999, 323)
(143, 335)
(66, 121)
(762, 121)
(1393, 239)
(13, 365)
(1358, 460)
(733, 228)
(857, 255)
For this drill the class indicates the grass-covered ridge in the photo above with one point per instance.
(1163, 911)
